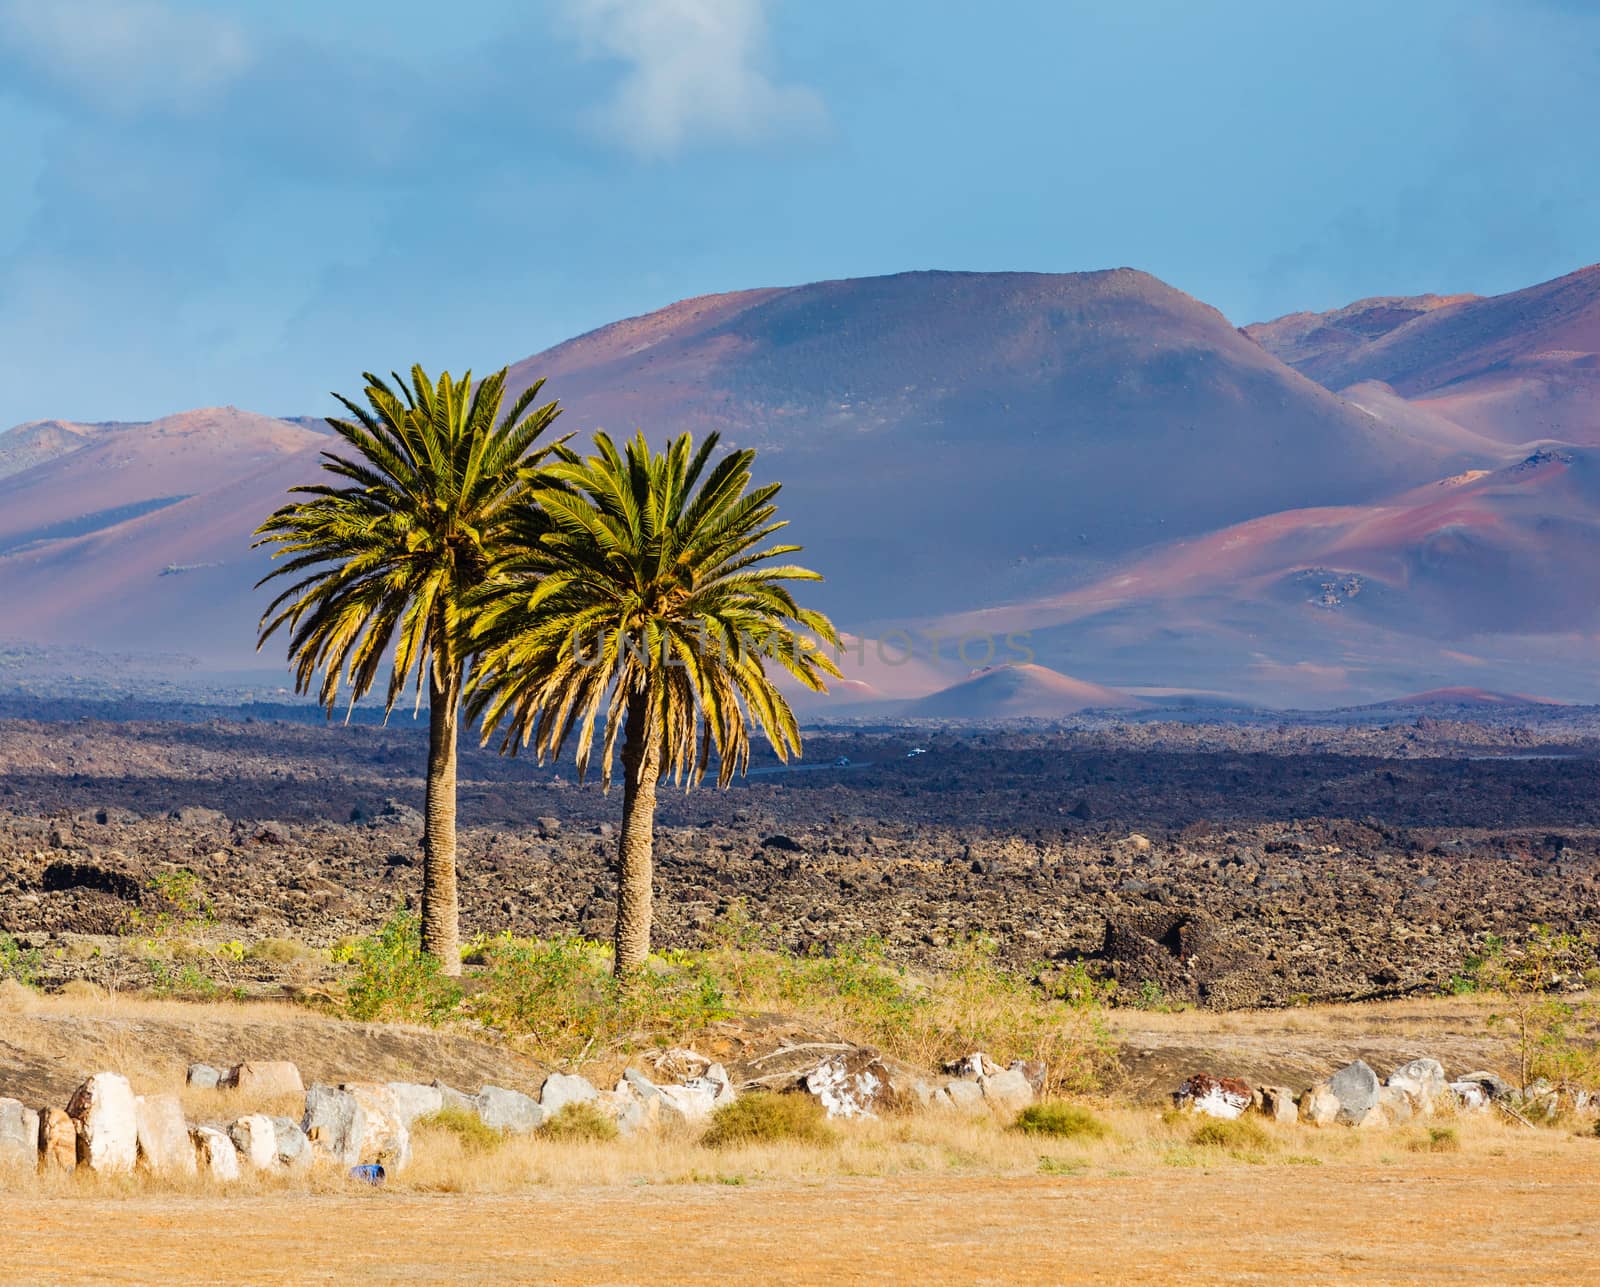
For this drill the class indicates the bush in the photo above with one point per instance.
(396, 979)
(765, 1118)
(1440, 1139)
(466, 1126)
(18, 962)
(1063, 1121)
(580, 1121)
(1241, 1134)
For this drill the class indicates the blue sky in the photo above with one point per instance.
(251, 202)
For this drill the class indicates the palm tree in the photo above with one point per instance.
(640, 592)
(431, 477)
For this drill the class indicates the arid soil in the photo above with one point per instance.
(1232, 864)
(1527, 1218)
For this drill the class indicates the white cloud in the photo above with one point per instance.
(124, 56)
(696, 73)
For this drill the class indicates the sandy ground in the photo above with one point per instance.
(1518, 1219)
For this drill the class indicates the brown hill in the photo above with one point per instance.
(1517, 367)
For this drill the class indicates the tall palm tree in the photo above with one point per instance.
(641, 593)
(430, 477)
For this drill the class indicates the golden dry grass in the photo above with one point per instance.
(918, 1201)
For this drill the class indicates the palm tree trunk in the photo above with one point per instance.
(441, 936)
(641, 765)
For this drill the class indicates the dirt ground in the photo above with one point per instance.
(1526, 1219)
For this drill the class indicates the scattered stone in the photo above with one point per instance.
(561, 1089)
(1395, 1105)
(972, 1067)
(1225, 1097)
(58, 1140)
(785, 844)
(1356, 1088)
(108, 1128)
(1422, 1080)
(851, 1085)
(256, 1138)
(163, 1136)
(1319, 1105)
(412, 1101)
(450, 1097)
(549, 828)
(1034, 1070)
(965, 1096)
(1008, 1092)
(1470, 1095)
(509, 1110)
(272, 833)
(19, 1134)
(357, 1123)
(203, 1077)
(264, 1079)
(1494, 1087)
(1276, 1102)
(214, 1154)
(291, 1148)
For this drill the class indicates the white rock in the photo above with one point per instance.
(19, 1135)
(264, 1079)
(509, 1110)
(965, 1096)
(356, 1123)
(561, 1089)
(214, 1154)
(108, 1125)
(1276, 1102)
(256, 1138)
(413, 1101)
(164, 1144)
(1008, 1092)
(1422, 1080)
(1471, 1095)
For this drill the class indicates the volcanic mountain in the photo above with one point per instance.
(1096, 458)
(946, 439)
(1517, 367)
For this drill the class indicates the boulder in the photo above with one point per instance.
(264, 1079)
(1421, 1079)
(964, 1096)
(509, 1110)
(1396, 1105)
(561, 1089)
(291, 1148)
(450, 1097)
(973, 1066)
(203, 1077)
(356, 1124)
(1470, 1096)
(58, 1140)
(163, 1136)
(689, 1104)
(214, 1154)
(1034, 1070)
(19, 1135)
(256, 1138)
(1493, 1087)
(1319, 1105)
(1225, 1097)
(1007, 1093)
(108, 1125)
(851, 1085)
(635, 1114)
(412, 1101)
(1356, 1088)
(1276, 1102)
(716, 1080)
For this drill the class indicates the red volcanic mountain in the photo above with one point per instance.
(949, 438)
(139, 539)
(1095, 458)
(1518, 367)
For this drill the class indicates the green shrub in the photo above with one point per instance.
(1063, 1121)
(1439, 1139)
(396, 979)
(764, 1118)
(18, 962)
(580, 1121)
(466, 1126)
(1240, 1134)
